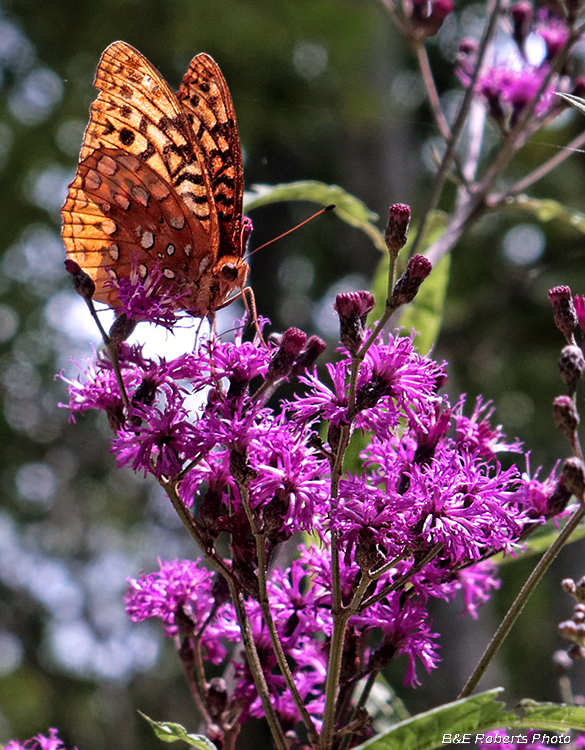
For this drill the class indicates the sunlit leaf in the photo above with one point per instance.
(547, 210)
(348, 208)
(168, 731)
(432, 729)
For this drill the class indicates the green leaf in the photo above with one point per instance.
(348, 208)
(428, 730)
(574, 101)
(425, 313)
(167, 731)
(547, 210)
(556, 717)
(538, 544)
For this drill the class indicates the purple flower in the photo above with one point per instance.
(476, 435)
(553, 30)
(38, 742)
(181, 595)
(476, 583)
(160, 444)
(148, 295)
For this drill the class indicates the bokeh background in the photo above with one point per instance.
(324, 90)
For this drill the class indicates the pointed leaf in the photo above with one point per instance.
(168, 731)
(429, 730)
(556, 717)
(347, 207)
(547, 210)
(574, 101)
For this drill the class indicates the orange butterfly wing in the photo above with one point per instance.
(205, 98)
(143, 192)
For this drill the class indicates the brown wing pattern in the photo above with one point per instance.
(137, 111)
(151, 172)
(120, 214)
(206, 99)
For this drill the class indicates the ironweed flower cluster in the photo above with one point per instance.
(328, 521)
(39, 742)
(410, 514)
(522, 72)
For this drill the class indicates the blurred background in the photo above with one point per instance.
(324, 90)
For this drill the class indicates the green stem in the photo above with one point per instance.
(249, 644)
(340, 620)
(256, 669)
(518, 605)
(269, 621)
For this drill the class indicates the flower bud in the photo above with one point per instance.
(307, 358)
(353, 309)
(121, 328)
(558, 500)
(291, 345)
(217, 697)
(406, 288)
(565, 315)
(571, 367)
(576, 652)
(574, 476)
(565, 415)
(522, 21)
(466, 62)
(562, 663)
(569, 586)
(82, 283)
(396, 232)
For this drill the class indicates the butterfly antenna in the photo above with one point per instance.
(293, 229)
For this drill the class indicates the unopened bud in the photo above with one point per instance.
(291, 345)
(466, 60)
(82, 283)
(565, 415)
(565, 315)
(569, 586)
(307, 358)
(396, 232)
(571, 367)
(558, 500)
(217, 697)
(522, 20)
(576, 652)
(121, 328)
(574, 476)
(562, 663)
(407, 286)
(353, 309)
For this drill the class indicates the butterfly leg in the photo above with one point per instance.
(246, 294)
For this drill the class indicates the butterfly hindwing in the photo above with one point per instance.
(205, 97)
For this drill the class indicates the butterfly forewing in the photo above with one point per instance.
(137, 111)
(151, 171)
(124, 215)
(205, 97)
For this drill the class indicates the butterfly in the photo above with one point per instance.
(159, 184)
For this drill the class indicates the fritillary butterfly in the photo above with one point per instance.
(159, 183)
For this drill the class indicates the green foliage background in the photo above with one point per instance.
(324, 90)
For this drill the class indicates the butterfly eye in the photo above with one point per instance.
(229, 272)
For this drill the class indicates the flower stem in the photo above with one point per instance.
(269, 620)
(512, 614)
